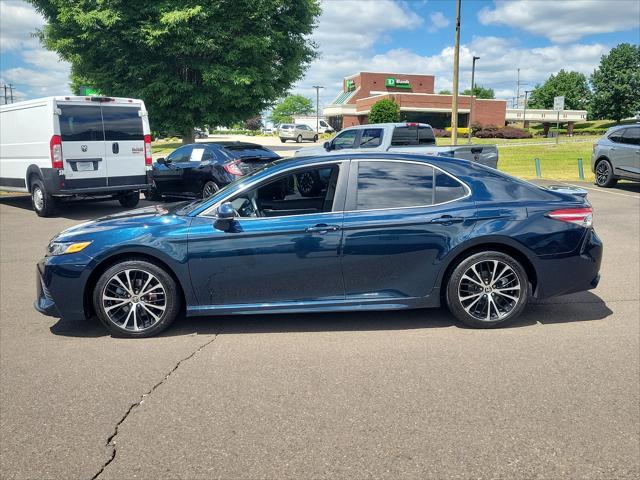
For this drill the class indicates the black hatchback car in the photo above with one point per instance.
(201, 169)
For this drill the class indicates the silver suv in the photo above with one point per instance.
(617, 155)
(289, 131)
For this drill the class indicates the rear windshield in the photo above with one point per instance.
(122, 123)
(412, 135)
(251, 151)
(286, 127)
(81, 123)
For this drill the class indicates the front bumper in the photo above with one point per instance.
(60, 286)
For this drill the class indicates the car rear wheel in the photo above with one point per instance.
(209, 189)
(129, 200)
(43, 203)
(283, 140)
(136, 298)
(299, 139)
(487, 289)
(604, 174)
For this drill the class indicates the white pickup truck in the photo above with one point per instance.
(401, 138)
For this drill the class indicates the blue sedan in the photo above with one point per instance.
(380, 231)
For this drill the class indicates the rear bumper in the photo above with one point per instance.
(570, 273)
(59, 185)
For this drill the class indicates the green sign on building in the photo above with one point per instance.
(397, 83)
(351, 85)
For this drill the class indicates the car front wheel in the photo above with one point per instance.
(487, 289)
(604, 174)
(136, 298)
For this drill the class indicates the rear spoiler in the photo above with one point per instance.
(570, 189)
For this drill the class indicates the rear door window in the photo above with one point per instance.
(383, 185)
(81, 123)
(371, 137)
(448, 188)
(617, 136)
(631, 136)
(122, 123)
(412, 135)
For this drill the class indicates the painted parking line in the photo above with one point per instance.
(603, 191)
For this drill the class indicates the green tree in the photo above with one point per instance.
(616, 84)
(480, 92)
(210, 62)
(384, 111)
(254, 123)
(290, 106)
(572, 85)
(444, 92)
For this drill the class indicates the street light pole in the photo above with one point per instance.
(524, 114)
(317, 87)
(473, 85)
(456, 66)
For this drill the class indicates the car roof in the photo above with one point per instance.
(392, 124)
(231, 145)
(620, 127)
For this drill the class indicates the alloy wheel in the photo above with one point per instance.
(489, 290)
(602, 172)
(134, 300)
(209, 189)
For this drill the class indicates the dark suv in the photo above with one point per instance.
(617, 155)
(201, 169)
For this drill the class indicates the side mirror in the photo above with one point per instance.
(161, 161)
(327, 146)
(224, 217)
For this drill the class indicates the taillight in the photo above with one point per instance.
(580, 216)
(148, 159)
(233, 168)
(55, 148)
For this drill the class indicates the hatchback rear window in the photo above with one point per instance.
(81, 123)
(412, 135)
(122, 123)
(251, 151)
(286, 127)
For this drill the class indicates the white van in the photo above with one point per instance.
(58, 147)
(323, 126)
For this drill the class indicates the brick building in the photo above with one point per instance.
(416, 97)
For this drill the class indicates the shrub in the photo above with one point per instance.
(504, 132)
(475, 127)
(441, 133)
(384, 111)
(461, 130)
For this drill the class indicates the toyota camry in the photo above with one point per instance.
(332, 233)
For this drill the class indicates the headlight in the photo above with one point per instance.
(61, 248)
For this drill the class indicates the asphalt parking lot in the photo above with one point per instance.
(385, 395)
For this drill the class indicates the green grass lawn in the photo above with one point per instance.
(162, 147)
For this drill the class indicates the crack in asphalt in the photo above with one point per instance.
(111, 443)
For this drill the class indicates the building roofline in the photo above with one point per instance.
(391, 73)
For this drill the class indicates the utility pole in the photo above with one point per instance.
(524, 115)
(456, 67)
(473, 85)
(11, 92)
(317, 87)
(518, 90)
(5, 94)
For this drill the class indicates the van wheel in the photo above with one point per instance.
(299, 139)
(487, 289)
(43, 203)
(136, 298)
(129, 200)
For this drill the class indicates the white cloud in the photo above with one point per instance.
(438, 21)
(42, 72)
(564, 21)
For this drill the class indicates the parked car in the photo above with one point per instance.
(387, 231)
(312, 122)
(616, 155)
(401, 138)
(289, 131)
(200, 133)
(201, 169)
(61, 147)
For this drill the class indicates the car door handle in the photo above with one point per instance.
(115, 148)
(322, 228)
(447, 220)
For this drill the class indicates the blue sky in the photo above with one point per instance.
(538, 36)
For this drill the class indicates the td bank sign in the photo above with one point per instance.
(397, 83)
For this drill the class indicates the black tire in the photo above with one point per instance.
(309, 184)
(604, 174)
(299, 139)
(315, 138)
(479, 301)
(43, 203)
(209, 188)
(172, 299)
(129, 200)
(152, 195)
(282, 140)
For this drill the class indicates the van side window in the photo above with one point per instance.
(81, 123)
(122, 123)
